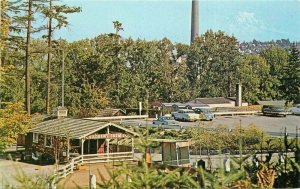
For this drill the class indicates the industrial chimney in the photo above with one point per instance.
(195, 20)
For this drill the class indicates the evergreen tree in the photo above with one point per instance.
(291, 79)
(57, 19)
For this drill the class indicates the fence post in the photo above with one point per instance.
(65, 172)
(72, 165)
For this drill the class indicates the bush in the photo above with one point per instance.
(47, 159)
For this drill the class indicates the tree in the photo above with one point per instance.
(291, 78)
(27, 56)
(277, 59)
(212, 64)
(56, 14)
(253, 72)
(13, 121)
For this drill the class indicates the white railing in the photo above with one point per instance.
(92, 158)
(118, 117)
(236, 113)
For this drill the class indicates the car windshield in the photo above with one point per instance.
(167, 118)
(188, 111)
(276, 107)
(204, 110)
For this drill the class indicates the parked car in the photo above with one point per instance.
(185, 115)
(205, 113)
(166, 120)
(296, 110)
(274, 110)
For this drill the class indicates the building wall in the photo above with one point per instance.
(232, 104)
(59, 146)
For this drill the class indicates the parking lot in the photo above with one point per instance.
(273, 125)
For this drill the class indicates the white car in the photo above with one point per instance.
(296, 110)
(185, 115)
(166, 120)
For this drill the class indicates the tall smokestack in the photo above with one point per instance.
(195, 20)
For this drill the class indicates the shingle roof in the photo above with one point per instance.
(73, 128)
(216, 100)
(271, 102)
(109, 112)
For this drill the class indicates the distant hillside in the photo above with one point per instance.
(255, 46)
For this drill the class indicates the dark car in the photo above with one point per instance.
(274, 110)
(205, 113)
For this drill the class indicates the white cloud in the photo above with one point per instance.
(246, 25)
(249, 20)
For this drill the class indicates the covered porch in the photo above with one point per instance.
(92, 141)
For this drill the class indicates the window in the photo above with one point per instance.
(35, 138)
(48, 141)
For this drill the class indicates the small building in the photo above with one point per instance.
(217, 102)
(66, 137)
(174, 152)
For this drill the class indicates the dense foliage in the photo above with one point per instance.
(109, 70)
(13, 121)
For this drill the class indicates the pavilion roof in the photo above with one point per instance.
(74, 128)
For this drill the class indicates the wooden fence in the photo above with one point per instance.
(92, 158)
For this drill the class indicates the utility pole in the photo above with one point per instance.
(27, 56)
(285, 147)
(261, 146)
(49, 38)
(63, 80)
(297, 137)
(240, 145)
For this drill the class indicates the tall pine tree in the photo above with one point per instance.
(57, 19)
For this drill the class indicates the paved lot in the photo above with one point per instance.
(10, 170)
(273, 125)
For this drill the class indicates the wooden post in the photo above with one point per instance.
(68, 150)
(65, 172)
(132, 147)
(82, 148)
(177, 148)
(107, 145)
(72, 165)
(118, 145)
(97, 145)
(107, 149)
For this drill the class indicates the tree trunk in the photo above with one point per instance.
(1, 9)
(27, 57)
(49, 60)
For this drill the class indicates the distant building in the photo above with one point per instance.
(109, 112)
(255, 47)
(271, 102)
(217, 102)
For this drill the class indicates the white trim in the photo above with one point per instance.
(35, 137)
(51, 141)
(107, 125)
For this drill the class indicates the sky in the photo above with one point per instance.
(262, 20)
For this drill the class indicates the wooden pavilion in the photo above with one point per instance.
(67, 137)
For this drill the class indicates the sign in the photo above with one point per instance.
(182, 144)
(110, 135)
